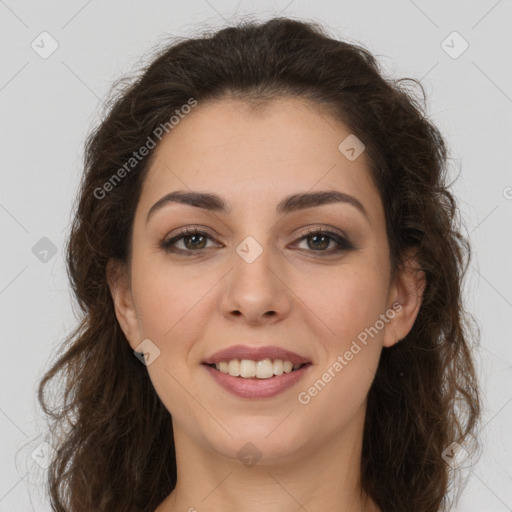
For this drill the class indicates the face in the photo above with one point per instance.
(310, 277)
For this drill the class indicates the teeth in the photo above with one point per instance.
(278, 367)
(264, 369)
(234, 367)
(247, 368)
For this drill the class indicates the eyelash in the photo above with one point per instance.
(343, 243)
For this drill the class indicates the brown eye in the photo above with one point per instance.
(320, 241)
(194, 240)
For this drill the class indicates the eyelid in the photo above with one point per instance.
(192, 229)
(315, 228)
(337, 235)
(189, 230)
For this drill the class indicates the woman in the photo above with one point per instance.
(264, 222)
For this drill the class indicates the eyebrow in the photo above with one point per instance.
(292, 203)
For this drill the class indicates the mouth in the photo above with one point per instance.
(254, 387)
(256, 372)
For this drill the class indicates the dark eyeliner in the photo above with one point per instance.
(167, 243)
(343, 243)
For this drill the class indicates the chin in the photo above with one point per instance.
(261, 440)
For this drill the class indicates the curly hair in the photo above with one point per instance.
(115, 448)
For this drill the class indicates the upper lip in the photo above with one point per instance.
(255, 354)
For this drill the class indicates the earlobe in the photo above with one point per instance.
(120, 290)
(407, 291)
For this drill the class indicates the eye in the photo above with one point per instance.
(194, 240)
(318, 240)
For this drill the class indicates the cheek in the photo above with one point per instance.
(347, 300)
(338, 387)
(168, 299)
(350, 303)
(332, 398)
(168, 304)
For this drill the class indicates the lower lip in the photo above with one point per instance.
(257, 388)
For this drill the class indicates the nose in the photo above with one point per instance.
(256, 292)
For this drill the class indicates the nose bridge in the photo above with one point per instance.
(254, 289)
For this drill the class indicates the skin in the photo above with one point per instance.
(190, 307)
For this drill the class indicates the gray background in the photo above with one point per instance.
(48, 105)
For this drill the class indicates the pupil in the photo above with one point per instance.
(190, 238)
(324, 238)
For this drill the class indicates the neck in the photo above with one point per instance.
(324, 477)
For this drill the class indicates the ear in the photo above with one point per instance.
(405, 298)
(120, 288)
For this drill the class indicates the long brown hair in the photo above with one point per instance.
(115, 451)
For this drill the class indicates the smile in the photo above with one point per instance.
(254, 387)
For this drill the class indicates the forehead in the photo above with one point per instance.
(256, 156)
